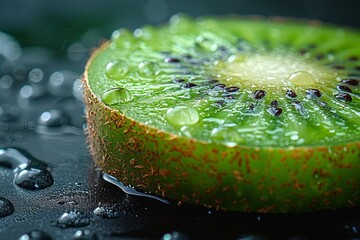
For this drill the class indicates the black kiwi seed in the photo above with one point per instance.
(353, 58)
(187, 56)
(344, 88)
(232, 89)
(220, 86)
(323, 104)
(222, 49)
(302, 51)
(275, 111)
(313, 92)
(320, 56)
(357, 68)
(338, 67)
(220, 103)
(179, 80)
(172, 60)
(274, 104)
(345, 97)
(229, 96)
(350, 81)
(259, 94)
(299, 107)
(290, 94)
(188, 85)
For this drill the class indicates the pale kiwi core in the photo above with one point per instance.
(274, 70)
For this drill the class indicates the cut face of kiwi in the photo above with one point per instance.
(257, 115)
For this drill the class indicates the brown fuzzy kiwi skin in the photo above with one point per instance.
(241, 178)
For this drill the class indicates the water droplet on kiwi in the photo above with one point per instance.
(236, 58)
(6, 207)
(116, 96)
(148, 69)
(206, 44)
(226, 136)
(302, 78)
(116, 69)
(182, 115)
(35, 235)
(294, 137)
(122, 37)
(72, 219)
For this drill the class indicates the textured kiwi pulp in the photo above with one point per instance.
(250, 115)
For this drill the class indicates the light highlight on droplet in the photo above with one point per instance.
(148, 69)
(116, 69)
(302, 78)
(226, 136)
(116, 96)
(182, 115)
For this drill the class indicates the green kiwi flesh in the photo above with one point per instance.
(258, 115)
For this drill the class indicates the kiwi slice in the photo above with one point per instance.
(246, 114)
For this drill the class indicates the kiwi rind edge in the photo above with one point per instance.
(241, 178)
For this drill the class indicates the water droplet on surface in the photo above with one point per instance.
(84, 235)
(77, 90)
(32, 91)
(19, 72)
(226, 136)
(35, 235)
(251, 237)
(76, 51)
(9, 113)
(108, 211)
(14, 159)
(116, 69)
(61, 83)
(33, 178)
(302, 78)
(116, 96)
(6, 207)
(6, 82)
(130, 190)
(175, 236)
(53, 118)
(182, 115)
(30, 173)
(9, 48)
(72, 219)
(36, 75)
(148, 69)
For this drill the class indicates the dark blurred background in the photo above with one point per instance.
(57, 24)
